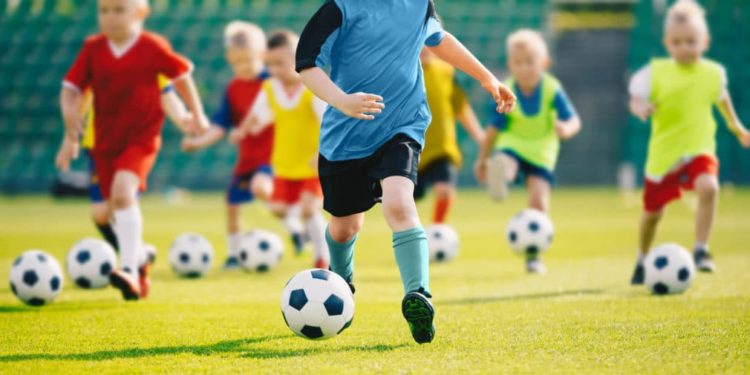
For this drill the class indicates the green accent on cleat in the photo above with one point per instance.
(419, 313)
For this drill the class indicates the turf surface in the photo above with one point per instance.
(491, 317)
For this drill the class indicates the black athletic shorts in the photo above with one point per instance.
(353, 186)
(440, 170)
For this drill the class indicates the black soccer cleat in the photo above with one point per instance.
(639, 274)
(703, 261)
(419, 313)
(232, 263)
(298, 241)
(126, 284)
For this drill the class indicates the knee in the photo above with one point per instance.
(653, 217)
(121, 199)
(707, 188)
(443, 191)
(344, 232)
(100, 215)
(399, 211)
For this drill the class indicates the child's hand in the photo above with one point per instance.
(189, 144)
(502, 95)
(744, 136)
(360, 105)
(641, 108)
(480, 170)
(68, 151)
(200, 124)
(236, 135)
(74, 126)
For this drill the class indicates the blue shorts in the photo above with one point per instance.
(239, 189)
(95, 192)
(526, 168)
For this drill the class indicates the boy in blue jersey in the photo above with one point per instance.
(370, 143)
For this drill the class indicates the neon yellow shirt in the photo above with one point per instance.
(445, 98)
(534, 137)
(296, 134)
(87, 142)
(683, 125)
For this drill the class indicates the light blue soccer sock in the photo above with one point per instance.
(342, 256)
(413, 259)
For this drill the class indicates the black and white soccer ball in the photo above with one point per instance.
(260, 250)
(669, 269)
(443, 242)
(89, 263)
(530, 232)
(317, 304)
(191, 255)
(36, 278)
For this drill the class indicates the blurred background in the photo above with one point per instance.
(596, 45)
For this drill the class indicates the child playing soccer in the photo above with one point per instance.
(296, 112)
(120, 66)
(101, 216)
(245, 46)
(527, 140)
(373, 131)
(441, 158)
(678, 94)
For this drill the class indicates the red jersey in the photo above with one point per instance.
(127, 98)
(255, 150)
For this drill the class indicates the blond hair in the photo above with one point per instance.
(530, 39)
(241, 34)
(686, 12)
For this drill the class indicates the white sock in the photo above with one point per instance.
(233, 242)
(129, 229)
(701, 246)
(316, 227)
(292, 221)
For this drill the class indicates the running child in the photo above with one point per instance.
(100, 214)
(296, 114)
(441, 158)
(245, 45)
(120, 66)
(373, 132)
(678, 94)
(524, 144)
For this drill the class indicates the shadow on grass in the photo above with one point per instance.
(519, 297)
(14, 309)
(221, 347)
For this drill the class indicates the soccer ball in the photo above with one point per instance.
(89, 263)
(36, 278)
(191, 255)
(442, 241)
(530, 232)
(148, 255)
(317, 304)
(260, 250)
(669, 269)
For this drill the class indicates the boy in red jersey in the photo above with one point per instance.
(245, 46)
(120, 65)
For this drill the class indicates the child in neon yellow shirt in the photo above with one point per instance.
(678, 94)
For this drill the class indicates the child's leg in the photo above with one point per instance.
(539, 192)
(234, 229)
(510, 167)
(315, 224)
(445, 195)
(261, 186)
(341, 236)
(101, 215)
(128, 220)
(649, 223)
(707, 188)
(409, 239)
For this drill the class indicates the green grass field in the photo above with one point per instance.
(492, 317)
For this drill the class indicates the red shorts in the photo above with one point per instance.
(656, 195)
(136, 159)
(289, 191)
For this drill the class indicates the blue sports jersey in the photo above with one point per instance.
(372, 47)
(531, 104)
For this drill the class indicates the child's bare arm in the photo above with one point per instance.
(569, 128)
(733, 120)
(71, 101)
(68, 151)
(452, 51)
(358, 105)
(470, 123)
(213, 135)
(641, 108)
(176, 111)
(485, 148)
(185, 87)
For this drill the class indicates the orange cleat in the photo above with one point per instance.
(321, 263)
(143, 280)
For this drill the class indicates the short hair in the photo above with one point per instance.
(530, 39)
(242, 34)
(283, 38)
(686, 12)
